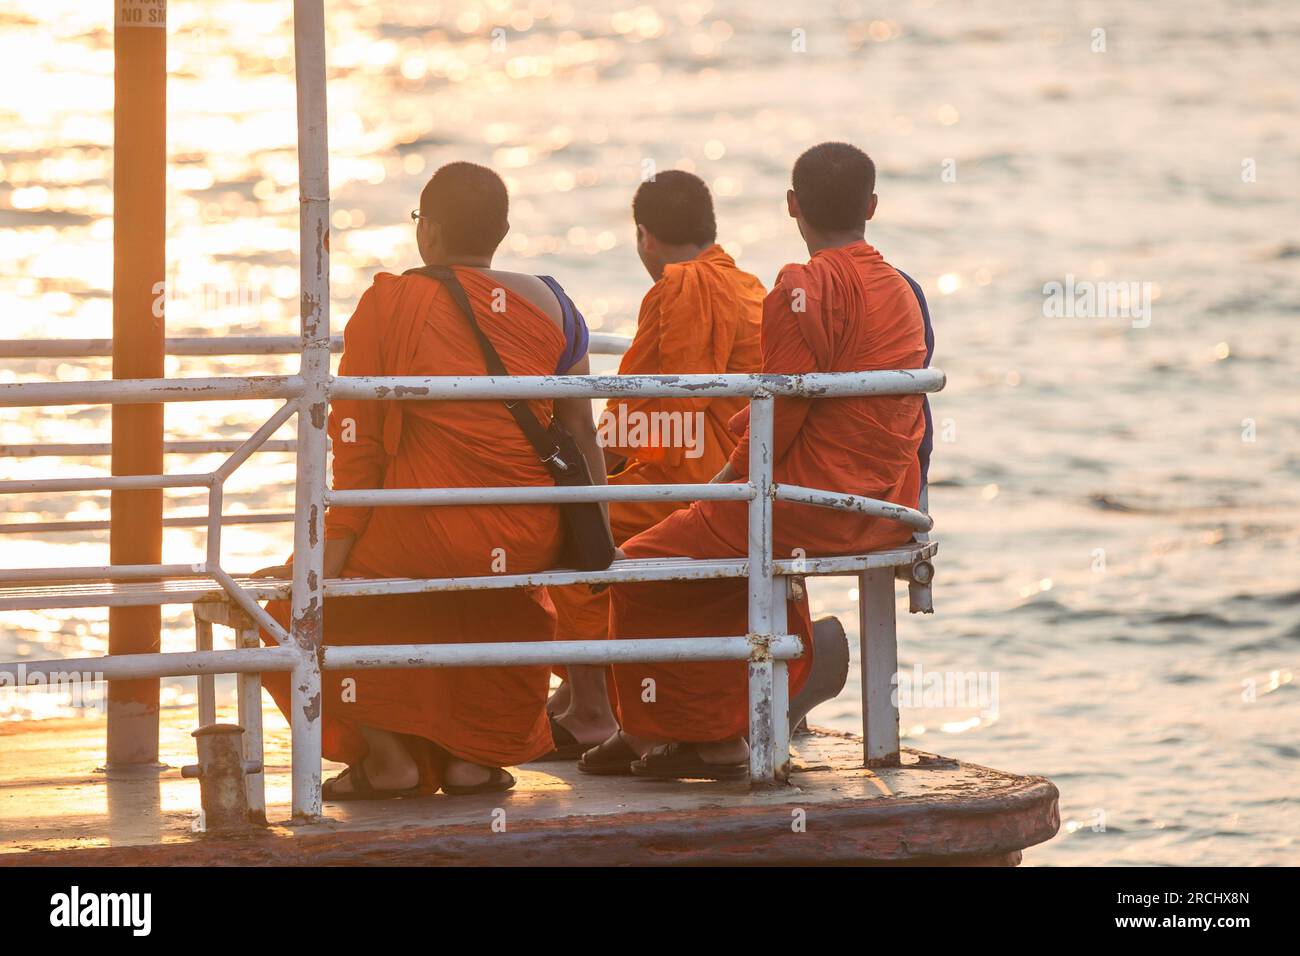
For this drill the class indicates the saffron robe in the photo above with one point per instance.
(702, 316)
(845, 310)
(409, 325)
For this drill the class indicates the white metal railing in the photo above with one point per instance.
(601, 343)
(300, 651)
(767, 646)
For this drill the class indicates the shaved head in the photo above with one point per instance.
(468, 202)
(675, 207)
(833, 183)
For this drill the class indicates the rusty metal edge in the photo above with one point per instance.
(921, 830)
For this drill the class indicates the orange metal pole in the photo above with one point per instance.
(139, 268)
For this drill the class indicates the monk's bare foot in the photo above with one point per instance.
(724, 751)
(587, 715)
(559, 701)
(642, 745)
(462, 773)
(588, 729)
(388, 765)
(717, 751)
(382, 777)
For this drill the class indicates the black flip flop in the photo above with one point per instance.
(500, 780)
(362, 788)
(613, 758)
(566, 745)
(682, 761)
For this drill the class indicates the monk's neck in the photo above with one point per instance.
(838, 241)
(673, 255)
(473, 262)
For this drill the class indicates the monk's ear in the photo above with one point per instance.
(432, 231)
(791, 204)
(871, 206)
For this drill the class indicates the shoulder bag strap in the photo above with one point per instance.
(537, 436)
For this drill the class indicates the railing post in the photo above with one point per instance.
(780, 687)
(207, 682)
(878, 660)
(307, 620)
(762, 693)
(250, 718)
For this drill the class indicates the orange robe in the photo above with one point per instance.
(408, 325)
(858, 314)
(702, 316)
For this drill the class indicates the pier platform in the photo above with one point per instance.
(58, 809)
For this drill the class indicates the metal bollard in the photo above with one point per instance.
(220, 772)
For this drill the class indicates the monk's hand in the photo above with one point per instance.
(600, 588)
(726, 475)
(278, 571)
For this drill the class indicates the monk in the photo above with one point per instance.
(844, 310)
(701, 315)
(407, 732)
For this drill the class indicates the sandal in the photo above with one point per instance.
(362, 788)
(682, 761)
(567, 746)
(498, 781)
(613, 758)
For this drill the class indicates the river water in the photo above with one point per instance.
(1115, 484)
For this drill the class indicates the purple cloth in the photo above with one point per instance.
(576, 336)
